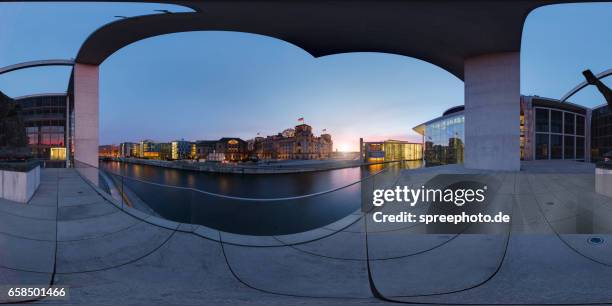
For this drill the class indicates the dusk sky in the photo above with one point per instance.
(208, 85)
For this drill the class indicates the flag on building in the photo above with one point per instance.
(301, 119)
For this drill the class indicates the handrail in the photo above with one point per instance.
(252, 199)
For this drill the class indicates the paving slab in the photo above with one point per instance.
(110, 250)
(89, 228)
(291, 272)
(538, 269)
(340, 245)
(463, 262)
(35, 229)
(28, 210)
(26, 254)
(77, 212)
(160, 279)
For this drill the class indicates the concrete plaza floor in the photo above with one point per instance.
(72, 235)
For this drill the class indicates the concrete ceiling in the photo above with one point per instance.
(443, 33)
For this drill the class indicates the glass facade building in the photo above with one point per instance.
(601, 132)
(548, 129)
(390, 150)
(443, 138)
(553, 130)
(45, 121)
(182, 149)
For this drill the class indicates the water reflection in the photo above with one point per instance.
(250, 185)
(375, 168)
(254, 218)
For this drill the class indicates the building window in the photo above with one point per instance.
(542, 146)
(569, 147)
(58, 153)
(443, 141)
(33, 139)
(568, 123)
(556, 121)
(46, 119)
(560, 141)
(579, 147)
(556, 146)
(580, 125)
(542, 120)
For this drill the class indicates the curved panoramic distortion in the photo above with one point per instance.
(305, 153)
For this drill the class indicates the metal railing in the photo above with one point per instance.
(239, 214)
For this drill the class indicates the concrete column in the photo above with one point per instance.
(492, 112)
(86, 114)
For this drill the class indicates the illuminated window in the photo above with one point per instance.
(58, 153)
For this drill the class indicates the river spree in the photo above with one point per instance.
(151, 185)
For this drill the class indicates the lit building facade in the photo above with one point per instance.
(233, 149)
(549, 129)
(443, 137)
(44, 117)
(165, 150)
(182, 149)
(297, 143)
(225, 149)
(128, 149)
(109, 151)
(148, 149)
(389, 150)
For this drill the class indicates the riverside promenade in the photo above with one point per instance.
(72, 234)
